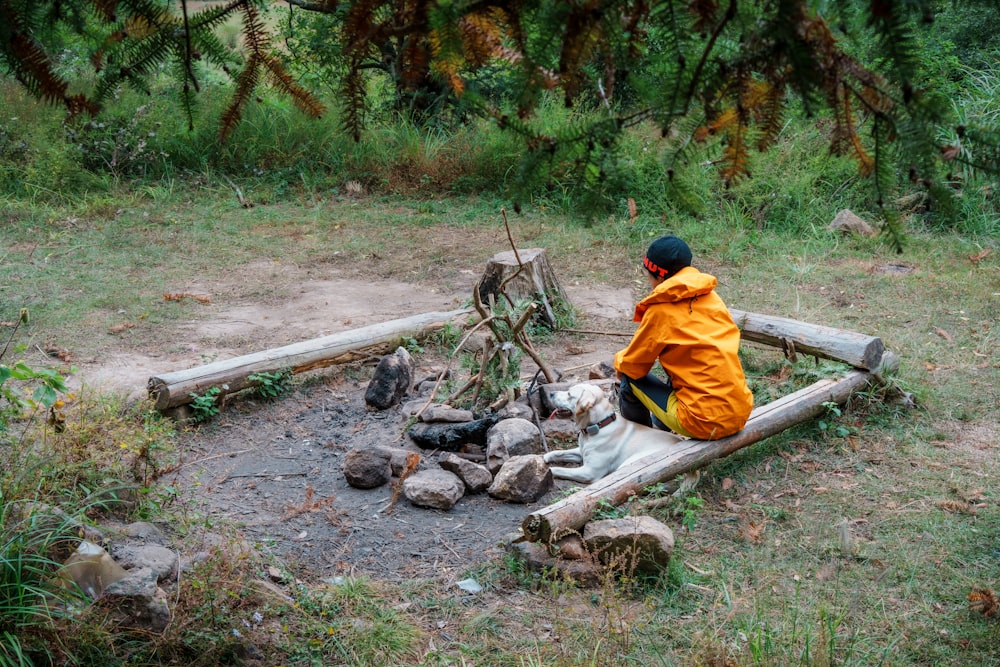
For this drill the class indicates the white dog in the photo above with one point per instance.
(607, 440)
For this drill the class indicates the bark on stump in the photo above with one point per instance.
(530, 278)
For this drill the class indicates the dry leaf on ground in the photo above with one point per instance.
(979, 256)
(179, 296)
(957, 506)
(984, 601)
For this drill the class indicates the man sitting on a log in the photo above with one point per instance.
(685, 325)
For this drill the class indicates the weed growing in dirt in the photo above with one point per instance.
(270, 386)
(205, 405)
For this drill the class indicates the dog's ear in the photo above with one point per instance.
(586, 401)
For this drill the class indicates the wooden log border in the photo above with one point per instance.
(170, 390)
(867, 354)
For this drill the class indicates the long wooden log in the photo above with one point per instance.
(793, 336)
(571, 513)
(172, 389)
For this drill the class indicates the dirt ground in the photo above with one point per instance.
(276, 467)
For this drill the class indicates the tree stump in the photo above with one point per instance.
(530, 278)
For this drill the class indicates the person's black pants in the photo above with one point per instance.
(647, 389)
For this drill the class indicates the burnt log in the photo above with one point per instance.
(451, 437)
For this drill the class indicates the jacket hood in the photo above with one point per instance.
(687, 283)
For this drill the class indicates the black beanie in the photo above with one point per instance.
(666, 256)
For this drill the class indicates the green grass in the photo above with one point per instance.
(761, 574)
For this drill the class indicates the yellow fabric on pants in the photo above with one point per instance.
(668, 416)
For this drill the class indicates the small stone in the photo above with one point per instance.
(846, 221)
(602, 371)
(475, 477)
(368, 468)
(436, 412)
(522, 479)
(516, 436)
(518, 410)
(391, 381)
(434, 488)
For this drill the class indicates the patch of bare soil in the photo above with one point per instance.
(276, 467)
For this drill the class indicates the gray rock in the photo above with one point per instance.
(145, 531)
(367, 468)
(522, 479)
(141, 604)
(631, 544)
(511, 437)
(436, 412)
(434, 488)
(847, 222)
(560, 430)
(391, 381)
(517, 409)
(476, 477)
(602, 370)
(412, 407)
(161, 560)
(398, 458)
(538, 559)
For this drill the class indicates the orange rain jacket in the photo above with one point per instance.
(685, 325)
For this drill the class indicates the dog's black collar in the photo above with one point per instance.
(594, 429)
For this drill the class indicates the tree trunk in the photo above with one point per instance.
(570, 514)
(793, 337)
(173, 389)
(524, 274)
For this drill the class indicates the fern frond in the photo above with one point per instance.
(246, 83)
(482, 37)
(279, 77)
(736, 155)
(354, 96)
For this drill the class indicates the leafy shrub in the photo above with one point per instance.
(271, 385)
(25, 389)
(206, 405)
